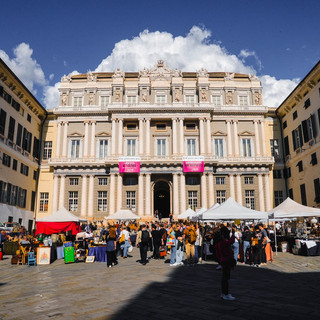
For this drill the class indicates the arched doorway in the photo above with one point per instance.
(161, 199)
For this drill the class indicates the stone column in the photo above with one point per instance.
(91, 196)
(174, 136)
(175, 194)
(86, 138)
(211, 195)
(235, 138)
(84, 196)
(148, 195)
(112, 193)
(55, 193)
(257, 137)
(113, 137)
(93, 139)
(239, 189)
(261, 193)
(201, 137)
(120, 134)
(267, 187)
(229, 138)
(182, 193)
(203, 190)
(65, 140)
(209, 136)
(119, 192)
(58, 139)
(231, 182)
(263, 141)
(140, 210)
(61, 194)
(181, 136)
(148, 134)
(141, 135)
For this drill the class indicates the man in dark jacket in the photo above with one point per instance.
(156, 238)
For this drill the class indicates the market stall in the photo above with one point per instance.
(198, 214)
(185, 215)
(123, 214)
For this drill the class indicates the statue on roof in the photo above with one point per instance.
(91, 76)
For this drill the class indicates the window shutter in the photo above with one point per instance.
(300, 136)
(286, 145)
(294, 139)
(314, 126)
(305, 131)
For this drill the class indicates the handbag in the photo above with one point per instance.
(130, 249)
(163, 251)
(122, 239)
(171, 242)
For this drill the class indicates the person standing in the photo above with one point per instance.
(172, 236)
(246, 240)
(125, 235)
(111, 247)
(264, 241)
(179, 245)
(235, 245)
(156, 238)
(190, 237)
(143, 239)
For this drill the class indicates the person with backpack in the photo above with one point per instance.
(190, 237)
(143, 239)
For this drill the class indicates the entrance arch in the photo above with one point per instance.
(161, 198)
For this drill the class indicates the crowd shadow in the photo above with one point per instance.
(194, 293)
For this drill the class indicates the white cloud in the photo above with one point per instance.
(244, 54)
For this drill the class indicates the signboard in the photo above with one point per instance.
(129, 165)
(193, 164)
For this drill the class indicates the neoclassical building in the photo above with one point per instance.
(159, 140)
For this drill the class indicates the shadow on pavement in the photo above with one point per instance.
(194, 293)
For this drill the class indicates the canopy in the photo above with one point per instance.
(123, 214)
(59, 221)
(232, 210)
(198, 214)
(292, 209)
(186, 214)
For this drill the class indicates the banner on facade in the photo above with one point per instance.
(129, 164)
(193, 164)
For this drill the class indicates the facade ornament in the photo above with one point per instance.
(144, 72)
(203, 95)
(176, 73)
(177, 95)
(160, 71)
(66, 78)
(257, 98)
(203, 73)
(117, 95)
(252, 77)
(91, 98)
(118, 74)
(229, 76)
(91, 76)
(64, 99)
(144, 95)
(229, 98)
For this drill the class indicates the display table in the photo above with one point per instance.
(309, 248)
(99, 253)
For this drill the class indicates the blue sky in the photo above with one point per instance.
(277, 40)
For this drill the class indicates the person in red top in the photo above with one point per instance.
(225, 256)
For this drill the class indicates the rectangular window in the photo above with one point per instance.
(286, 146)
(131, 147)
(29, 117)
(131, 99)
(297, 138)
(131, 127)
(193, 199)
(307, 103)
(314, 159)
(104, 101)
(219, 148)
(246, 147)
(300, 165)
(287, 173)
(36, 148)
(130, 181)
(161, 147)
(3, 116)
(303, 194)
(24, 169)
(47, 150)
(160, 99)
(13, 195)
(278, 197)
(189, 99)
(33, 199)
(290, 193)
(22, 197)
(220, 180)
(295, 115)
(6, 160)
(221, 196)
(191, 147)
(316, 183)
(274, 145)
(73, 201)
(3, 191)
(161, 127)
(249, 199)
(15, 105)
(26, 140)
(44, 201)
(74, 181)
(277, 174)
(248, 180)
(15, 165)
(77, 101)
(191, 126)
(75, 149)
(131, 200)
(243, 100)
(309, 128)
(102, 201)
(103, 148)
(284, 124)
(216, 100)
(102, 181)
(12, 123)
(192, 180)
(35, 174)
(19, 135)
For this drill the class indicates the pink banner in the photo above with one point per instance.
(193, 166)
(129, 167)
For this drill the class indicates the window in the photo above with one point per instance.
(308, 128)
(307, 103)
(303, 194)
(295, 115)
(243, 100)
(103, 148)
(314, 159)
(316, 183)
(14, 196)
(161, 147)
(35, 174)
(73, 201)
(77, 101)
(26, 140)
(274, 145)
(192, 180)
(248, 180)
(12, 123)
(300, 165)
(19, 135)
(297, 138)
(193, 199)
(22, 197)
(75, 148)
(3, 116)
(219, 148)
(102, 181)
(161, 127)
(131, 99)
(131, 200)
(6, 160)
(131, 127)
(130, 181)
(278, 197)
(284, 124)
(246, 147)
(24, 169)
(290, 191)
(15, 164)
(286, 146)
(220, 180)
(221, 196)
(189, 99)
(131, 147)
(44, 201)
(191, 147)
(104, 101)
(191, 126)
(287, 173)
(216, 100)
(161, 99)
(6, 96)
(277, 174)
(249, 199)
(3, 191)
(102, 200)
(47, 150)
(36, 148)
(15, 105)
(74, 181)
(29, 117)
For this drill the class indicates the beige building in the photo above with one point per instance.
(21, 119)
(159, 140)
(300, 119)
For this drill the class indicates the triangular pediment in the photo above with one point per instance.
(103, 134)
(75, 135)
(219, 133)
(246, 133)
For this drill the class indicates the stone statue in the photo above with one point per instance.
(203, 73)
(203, 95)
(64, 99)
(229, 98)
(177, 95)
(65, 78)
(143, 72)
(257, 98)
(144, 95)
(91, 76)
(117, 95)
(229, 76)
(118, 74)
(91, 97)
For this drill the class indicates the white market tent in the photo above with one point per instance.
(185, 215)
(292, 209)
(123, 214)
(232, 210)
(62, 215)
(198, 214)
